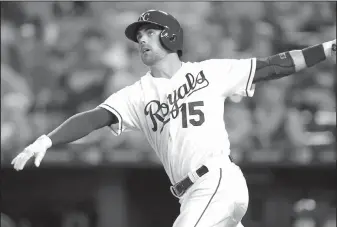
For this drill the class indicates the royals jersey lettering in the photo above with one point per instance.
(182, 117)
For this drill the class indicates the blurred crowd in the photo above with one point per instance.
(59, 58)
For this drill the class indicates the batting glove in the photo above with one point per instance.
(37, 149)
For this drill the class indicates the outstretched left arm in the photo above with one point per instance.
(287, 63)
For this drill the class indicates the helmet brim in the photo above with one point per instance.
(132, 29)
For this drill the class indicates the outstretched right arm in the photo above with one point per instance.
(81, 125)
(71, 130)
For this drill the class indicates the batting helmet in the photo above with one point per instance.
(171, 36)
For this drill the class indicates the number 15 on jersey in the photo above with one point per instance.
(194, 114)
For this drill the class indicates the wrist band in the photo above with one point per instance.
(313, 55)
(45, 140)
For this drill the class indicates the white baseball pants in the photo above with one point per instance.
(217, 199)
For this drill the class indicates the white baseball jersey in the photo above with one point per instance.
(182, 117)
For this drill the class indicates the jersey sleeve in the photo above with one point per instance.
(232, 76)
(124, 104)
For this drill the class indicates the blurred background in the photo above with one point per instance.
(59, 58)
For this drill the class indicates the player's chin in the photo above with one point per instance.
(148, 60)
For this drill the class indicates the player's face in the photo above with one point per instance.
(151, 50)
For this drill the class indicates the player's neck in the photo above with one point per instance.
(167, 67)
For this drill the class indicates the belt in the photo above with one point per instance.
(181, 187)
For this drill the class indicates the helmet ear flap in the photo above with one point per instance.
(167, 39)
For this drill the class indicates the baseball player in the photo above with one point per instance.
(179, 107)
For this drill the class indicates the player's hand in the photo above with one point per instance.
(37, 149)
